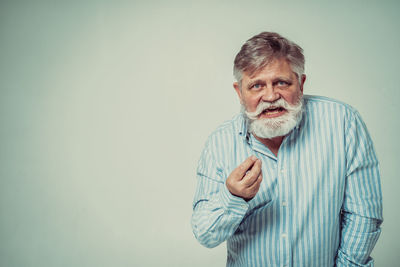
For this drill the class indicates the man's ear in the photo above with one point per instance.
(238, 91)
(302, 81)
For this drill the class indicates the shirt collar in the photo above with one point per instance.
(243, 127)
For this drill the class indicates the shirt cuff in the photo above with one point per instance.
(233, 204)
(342, 261)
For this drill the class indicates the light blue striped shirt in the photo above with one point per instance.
(319, 203)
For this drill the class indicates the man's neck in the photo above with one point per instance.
(273, 144)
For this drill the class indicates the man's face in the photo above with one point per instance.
(272, 98)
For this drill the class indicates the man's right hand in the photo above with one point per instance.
(245, 180)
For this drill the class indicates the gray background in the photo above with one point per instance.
(105, 107)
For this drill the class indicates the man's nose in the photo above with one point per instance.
(269, 94)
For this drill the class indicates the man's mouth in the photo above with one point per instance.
(272, 112)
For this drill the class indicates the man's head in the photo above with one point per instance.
(259, 50)
(269, 72)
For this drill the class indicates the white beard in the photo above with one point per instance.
(274, 127)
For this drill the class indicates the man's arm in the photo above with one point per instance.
(219, 206)
(362, 206)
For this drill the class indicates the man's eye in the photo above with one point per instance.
(257, 86)
(282, 83)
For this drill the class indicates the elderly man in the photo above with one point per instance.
(293, 180)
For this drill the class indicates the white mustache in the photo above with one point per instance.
(280, 103)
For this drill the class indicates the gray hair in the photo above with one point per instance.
(259, 50)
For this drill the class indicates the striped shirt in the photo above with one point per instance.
(319, 203)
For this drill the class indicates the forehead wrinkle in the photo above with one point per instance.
(253, 78)
(254, 71)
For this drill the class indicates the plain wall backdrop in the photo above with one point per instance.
(105, 108)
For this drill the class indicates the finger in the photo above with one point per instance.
(245, 166)
(253, 190)
(256, 185)
(252, 175)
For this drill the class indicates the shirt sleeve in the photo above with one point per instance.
(216, 212)
(362, 207)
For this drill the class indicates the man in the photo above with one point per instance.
(293, 180)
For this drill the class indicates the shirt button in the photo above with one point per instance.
(284, 235)
(283, 171)
(284, 203)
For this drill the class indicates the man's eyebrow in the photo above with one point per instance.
(255, 81)
(275, 79)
